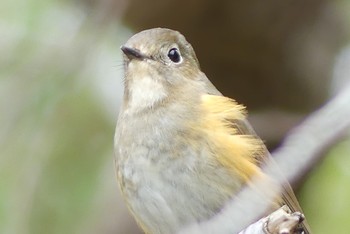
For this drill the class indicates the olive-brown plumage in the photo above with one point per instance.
(182, 149)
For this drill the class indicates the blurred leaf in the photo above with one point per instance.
(325, 195)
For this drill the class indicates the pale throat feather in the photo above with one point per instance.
(145, 91)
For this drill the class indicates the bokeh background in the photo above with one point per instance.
(61, 87)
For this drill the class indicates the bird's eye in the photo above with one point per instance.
(174, 55)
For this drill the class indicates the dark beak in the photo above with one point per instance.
(132, 53)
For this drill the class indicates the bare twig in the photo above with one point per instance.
(301, 148)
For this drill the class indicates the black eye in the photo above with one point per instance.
(174, 55)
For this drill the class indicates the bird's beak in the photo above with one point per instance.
(132, 53)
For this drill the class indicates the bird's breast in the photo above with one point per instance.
(169, 177)
(175, 168)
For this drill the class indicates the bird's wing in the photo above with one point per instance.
(243, 127)
(288, 196)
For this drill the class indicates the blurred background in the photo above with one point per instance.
(61, 87)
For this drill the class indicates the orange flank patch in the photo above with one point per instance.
(234, 151)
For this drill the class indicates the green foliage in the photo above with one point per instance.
(56, 135)
(325, 195)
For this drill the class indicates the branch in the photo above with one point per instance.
(299, 151)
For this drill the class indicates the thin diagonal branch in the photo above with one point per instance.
(302, 147)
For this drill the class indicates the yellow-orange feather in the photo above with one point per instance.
(234, 151)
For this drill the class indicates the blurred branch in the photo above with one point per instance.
(307, 143)
(300, 150)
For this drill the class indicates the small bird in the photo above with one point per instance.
(182, 149)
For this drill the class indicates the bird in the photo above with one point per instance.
(182, 149)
